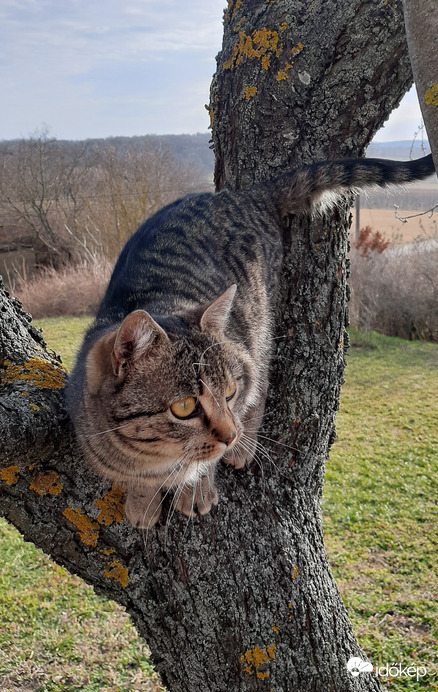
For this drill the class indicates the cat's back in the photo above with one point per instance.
(192, 251)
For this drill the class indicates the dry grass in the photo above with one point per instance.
(385, 221)
(75, 290)
(395, 292)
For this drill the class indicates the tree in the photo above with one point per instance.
(242, 599)
(42, 187)
(78, 200)
(130, 185)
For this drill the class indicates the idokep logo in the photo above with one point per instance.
(356, 666)
(396, 670)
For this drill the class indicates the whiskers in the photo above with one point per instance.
(197, 366)
(249, 447)
(212, 395)
(168, 483)
(105, 432)
(176, 486)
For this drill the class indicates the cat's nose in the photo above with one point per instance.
(226, 436)
(228, 439)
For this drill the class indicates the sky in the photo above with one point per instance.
(100, 68)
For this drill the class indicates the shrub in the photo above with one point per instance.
(395, 291)
(370, 241)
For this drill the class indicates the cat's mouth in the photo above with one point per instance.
(226, 445)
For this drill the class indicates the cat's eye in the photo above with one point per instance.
(230, 391)
(185, 407)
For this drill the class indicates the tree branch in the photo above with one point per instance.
(243, 598)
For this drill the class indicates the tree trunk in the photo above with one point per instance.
(421, 18)
(243, 598)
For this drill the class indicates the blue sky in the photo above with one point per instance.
(96, 68)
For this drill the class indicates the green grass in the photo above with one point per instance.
(56, 634)
(63, 335)
(381, 525)
(381, 503)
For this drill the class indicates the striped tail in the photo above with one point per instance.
(300, 190)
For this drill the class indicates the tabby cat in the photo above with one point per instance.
(173, 374)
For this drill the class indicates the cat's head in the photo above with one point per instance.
(158, 402)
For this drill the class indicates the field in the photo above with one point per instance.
(385, 221)
(381, 524)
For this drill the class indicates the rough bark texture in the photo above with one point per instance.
(242, 599)
(421, 18)
(302, 81)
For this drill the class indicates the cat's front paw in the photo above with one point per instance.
(239, 457)
(143, 510)
(202, 496)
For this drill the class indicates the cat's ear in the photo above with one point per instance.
(215, 316)
(98, 362)
(112, 352)
(137, 334)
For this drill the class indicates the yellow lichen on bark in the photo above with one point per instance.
(118, 572)
(37, 371)
(261, 44)
(9, 475)
(111, 507)
(250, 92)
(256, 657)
(266, 60)
(46, 483)
(297, 49)
(88, 529)
(281, 76)
(233, 6)
(431, 96)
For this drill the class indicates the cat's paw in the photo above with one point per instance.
(203, 496)
(143, 510)
(238, 457)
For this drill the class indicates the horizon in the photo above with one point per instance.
(413, 141)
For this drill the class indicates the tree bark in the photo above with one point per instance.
(243, 598)
(421, 20)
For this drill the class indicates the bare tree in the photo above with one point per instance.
(129, 186)
(242, 599)
(78, 199)
(42, 186)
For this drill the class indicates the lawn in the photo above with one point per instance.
(380, 511)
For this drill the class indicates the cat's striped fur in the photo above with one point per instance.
(185, 326)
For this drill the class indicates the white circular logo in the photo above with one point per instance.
(356, 666)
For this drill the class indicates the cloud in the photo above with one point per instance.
(67, 62)
(90, 68)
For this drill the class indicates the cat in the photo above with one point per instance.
(173, 374)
